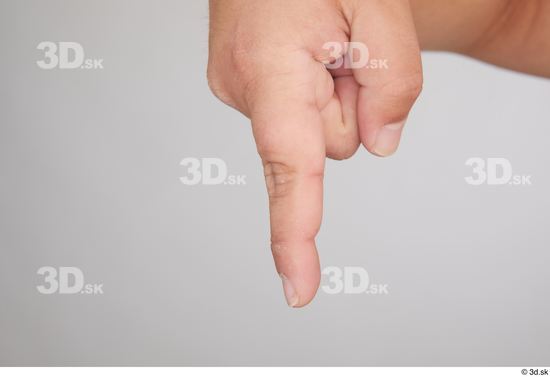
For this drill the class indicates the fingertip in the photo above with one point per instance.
(299, 270)
(385, 140)
(380, 124)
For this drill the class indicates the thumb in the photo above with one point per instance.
(386, 96)
(288, 130)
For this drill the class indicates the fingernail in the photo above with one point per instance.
(290, 294)
(387, 139)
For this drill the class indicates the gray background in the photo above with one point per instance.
(89, 177)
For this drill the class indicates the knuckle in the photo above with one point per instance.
(245, 58)
(343, 151)
(279, 178)
(233, 76)
(341, 139)
(213, 80)
(216, 84)
(278, 247)
(341, 148)
(240, 57)
(254, 64)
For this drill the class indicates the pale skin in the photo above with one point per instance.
(267, 60)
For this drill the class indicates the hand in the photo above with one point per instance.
(267, 59)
